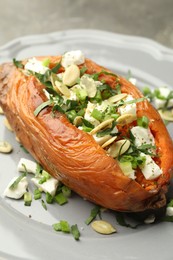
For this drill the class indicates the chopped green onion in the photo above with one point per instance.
(60, 199)
(27, 198)
(43, 204)
(71, 115)
(82, 71)
(57, 226)
(143, 121)
(18, 64)
(49, 198)
(148, 93)
(66, 191)
(56, 68)
(81, 94)
(46, 62)
(94, 212)
(170, 204)
(42, 180)
(37, 194)
(62, 226)
(87, 123)
(120, 217)
(97, 114)
(75, 232)
(42, 106)
(16, 182)
(39, 169)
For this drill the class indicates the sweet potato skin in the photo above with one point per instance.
(73, 156)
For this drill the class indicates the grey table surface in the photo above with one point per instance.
(148, 18)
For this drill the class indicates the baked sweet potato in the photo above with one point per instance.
(72, 155)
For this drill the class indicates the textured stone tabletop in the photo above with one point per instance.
(148, 18)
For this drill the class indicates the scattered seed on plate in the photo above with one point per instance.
(5, 147)
(71, 74)
(103, 227)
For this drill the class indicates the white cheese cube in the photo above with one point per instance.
(36, 66)
(72, 57)
(142, 136)
(19, 191)
(160, 103)
(150, 169)
(30, 166)
(88, 117)
(128, 108)
(49, 186)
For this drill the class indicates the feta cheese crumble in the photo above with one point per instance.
(142, 136)
(160, 103)
(36, 66)
(150, 169)
(72, 57)
(17, 192)
(128, 108)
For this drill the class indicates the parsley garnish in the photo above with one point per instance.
(18, 64)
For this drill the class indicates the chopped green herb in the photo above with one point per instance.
(37, 194)
(60, 199)
(16, 182)
(18, 64)
(97, 114)
(120, 217)
(75, 232)
(82, 71)
(43, 204)
(168, 219)
(143, 121)
(49, 198)
(170, 204)
(57, 226)
(46, 62)
(87, 123)
(42, 106)
(66, 191)
(42, 180)
(94, 212)
(62, 226)
(27, 198)
(56, 68)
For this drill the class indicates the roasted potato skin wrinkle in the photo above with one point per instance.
(73, 156)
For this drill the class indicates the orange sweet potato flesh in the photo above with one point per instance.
(72, 155)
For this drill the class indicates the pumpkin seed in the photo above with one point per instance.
(5, 147)
(71, 74)
(1, 111)
(101, 126)
(17, 139)
(102, 140)
(59, 87)
(109, 141)
(166, 115)
(77, 121)
(119, 148)
(7, 124)
(103, 227)
(117, 98)
(126, 119)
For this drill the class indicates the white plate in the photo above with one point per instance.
(32, 237)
